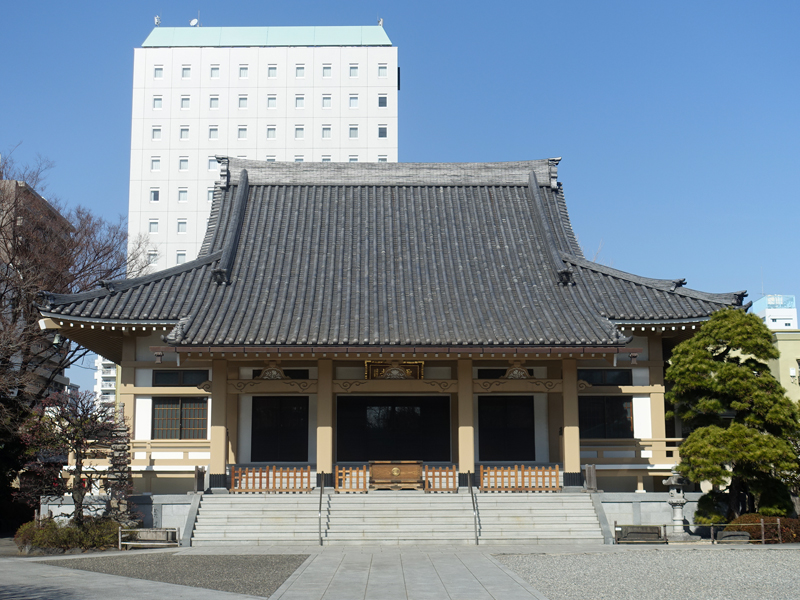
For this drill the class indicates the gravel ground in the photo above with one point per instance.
(253, 575)
(725, 574)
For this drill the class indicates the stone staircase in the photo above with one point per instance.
(404, 517)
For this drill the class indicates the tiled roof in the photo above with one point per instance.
(364, 254)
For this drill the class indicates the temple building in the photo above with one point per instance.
(342, 313)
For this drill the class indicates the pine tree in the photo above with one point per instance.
(744, 427)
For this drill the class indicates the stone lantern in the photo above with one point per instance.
(676, 483)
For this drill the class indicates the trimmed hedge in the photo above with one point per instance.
(96, 533)
(790, 528)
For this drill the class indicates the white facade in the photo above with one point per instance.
(778, 311)
(105, 379)
(283, 103)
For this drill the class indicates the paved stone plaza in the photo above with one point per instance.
(411, 573)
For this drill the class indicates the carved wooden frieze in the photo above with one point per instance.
(349, 386)
(272, 386)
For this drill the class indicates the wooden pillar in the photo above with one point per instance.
(325, 416)
(571, 439)
(219, 396)
(126, 382)
(466, 419)
(232, 416)
(658, 424)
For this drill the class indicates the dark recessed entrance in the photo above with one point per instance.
(506, 428)
(393, 428)
(280, 429)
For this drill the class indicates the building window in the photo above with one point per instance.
(213, 165)
(210, 194)
(243, 71)
(186, 72)
(299, 133)
(605, 417)
(383, 101)
(153, 226)
(183, 163)
(272, 71)
(353, 70)
(353, 132)
(213, 102)
(299, 101)
(270, 158)
(152, 258)
(353, 159)
(158, 72)
(382, 131)
(242, 135)
(213, 133)
(155, 163)
(183, 195)
(383, 71)
(300, 71)
(156, 133)
(382, 159)
(157, 102)
(270, 133)
(242, 101)
(179, 377)
(606, 376)
(180, 257)
(354, 101)
(184, 133)
(326, 132)
(182, 226)
(272, 102)
(214, 71)
(185, 102)
(326, 159)
(180, 418)
(154, 195)
(298, 159)
(326, 102)
(327, 71)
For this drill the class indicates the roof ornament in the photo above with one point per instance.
(395, 371)
(565, 276)
(109, 285)
(517, 371)
(272, 371)
(740, 296)
(178, 333)
(676, 283)
(222, 274)
(380, 21)
(47, 299)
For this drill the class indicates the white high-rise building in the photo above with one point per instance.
(105, 380)
(267, 93)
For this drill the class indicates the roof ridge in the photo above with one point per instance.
(664, 285)
(106, 288)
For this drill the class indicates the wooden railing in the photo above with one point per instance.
(351, 479)
(440, 479)
(519, 479)
(271, 479)
(652, 451)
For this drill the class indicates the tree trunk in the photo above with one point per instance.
(78, 491)
(735, 498)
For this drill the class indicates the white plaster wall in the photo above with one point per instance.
(142, 417)
(153, 338)
(143, 378)
(642, 424)
(349, 373)
(437, 372)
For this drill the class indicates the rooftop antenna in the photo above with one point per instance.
(380, 22)
(195, 22)
(157, 21)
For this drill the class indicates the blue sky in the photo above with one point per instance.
(678, 123)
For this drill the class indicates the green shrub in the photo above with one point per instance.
(96, 533)
(774, 499)
(751, 523)
(711, 508)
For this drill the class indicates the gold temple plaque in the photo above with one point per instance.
(376, 369)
